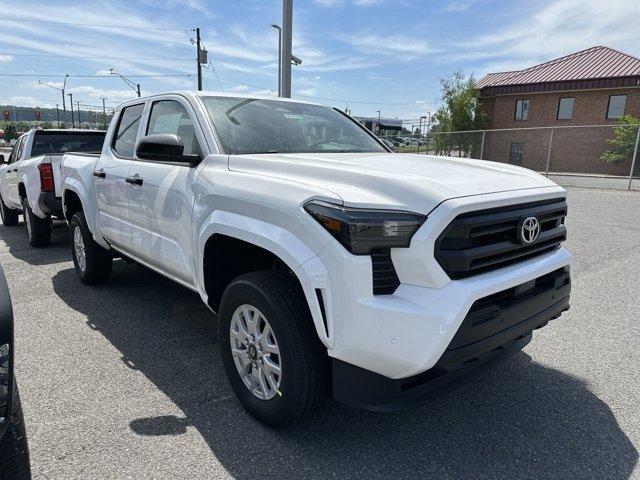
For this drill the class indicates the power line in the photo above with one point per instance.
(91, 76)
(90, 56)
(138, 27)
(363, 102)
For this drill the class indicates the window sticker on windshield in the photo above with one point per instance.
(293, 116)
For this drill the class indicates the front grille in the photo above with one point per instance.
(385, 278)
(476, 242)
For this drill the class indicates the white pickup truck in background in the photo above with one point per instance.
(333, 263)
(30, 178)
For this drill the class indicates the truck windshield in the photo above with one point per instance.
(248, 125)
(45, 142)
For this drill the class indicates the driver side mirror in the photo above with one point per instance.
(164, 147)
(2, 160)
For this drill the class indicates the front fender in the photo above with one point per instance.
(301, 259)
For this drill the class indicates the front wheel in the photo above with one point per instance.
(93, 263)
(38, 230)
(277, 366)
(9, 215)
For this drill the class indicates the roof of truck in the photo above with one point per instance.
(192, 94)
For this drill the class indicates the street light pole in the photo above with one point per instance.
(104, 114)
(78, 110)
(73, 123)
(133, 85)
(58, 114)
(64, 85)
(277, 27)
(285, 52)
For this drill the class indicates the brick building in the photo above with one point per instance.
(595, 86)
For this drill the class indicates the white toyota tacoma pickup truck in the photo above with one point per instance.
(30, 178)
(333, 264)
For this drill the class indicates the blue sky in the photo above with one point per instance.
(370, 54)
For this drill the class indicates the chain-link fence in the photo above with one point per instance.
(606, 156)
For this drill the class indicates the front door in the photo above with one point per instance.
(110, 179)
(161, 205)
(11, 174)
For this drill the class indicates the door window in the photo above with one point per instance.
(124, 141)
(169, 116)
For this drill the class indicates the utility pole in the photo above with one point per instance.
(277, 27)
(58, 114)
(104, 114)
(198, 60)
(78, 110)
(379, 128)
(73, 123)
(285, 53)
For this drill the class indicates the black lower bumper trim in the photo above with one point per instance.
(494, 328)
(50, 204)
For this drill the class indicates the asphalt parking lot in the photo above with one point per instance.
(124, 380)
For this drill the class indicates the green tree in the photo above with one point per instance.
(460, 112)
(10, 132)
(623, 143)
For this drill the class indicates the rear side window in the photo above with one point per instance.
(20, 148)
(124, 141)
(45, 142)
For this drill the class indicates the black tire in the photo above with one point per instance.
(98, 261)
(14, 451)
(9, 215)
(304, 362)
(38, 230)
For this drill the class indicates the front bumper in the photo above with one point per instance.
(495, 326)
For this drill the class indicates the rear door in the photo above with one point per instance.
(161, 206)
(109, 177)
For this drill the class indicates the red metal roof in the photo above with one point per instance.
(594, 62)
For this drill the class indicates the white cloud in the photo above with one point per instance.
(308, 92)
(357, 3)
(395, 45)
(28, 101)
(559, 28)
(6, 59)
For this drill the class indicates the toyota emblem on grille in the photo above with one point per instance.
(529, 230)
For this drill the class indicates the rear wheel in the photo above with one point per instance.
(277, 367)
(9, 215)
(93, 263)
(14, 452)
(38, 230)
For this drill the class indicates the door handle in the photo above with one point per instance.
(134, 180)
(99, 173)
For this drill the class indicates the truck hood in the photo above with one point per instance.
(412, 182)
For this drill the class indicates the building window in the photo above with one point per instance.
(516, 153)
(522, 110)
(565, 108)
(616, 106)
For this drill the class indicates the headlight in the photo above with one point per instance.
(361, 230)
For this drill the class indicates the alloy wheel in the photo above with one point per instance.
(255, 352)
(78, 245)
